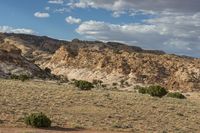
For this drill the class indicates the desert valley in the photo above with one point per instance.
(41, 74)
(99, 66)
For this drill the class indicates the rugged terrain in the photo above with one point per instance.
(110, 62)
(13, 63)
(119, 66)
(70, 108)
(110, 66)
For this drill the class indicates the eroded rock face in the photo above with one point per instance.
(110, 62)
(12, 63)
(171, 71)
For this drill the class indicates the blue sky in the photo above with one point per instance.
(172, 26)
(21, 15)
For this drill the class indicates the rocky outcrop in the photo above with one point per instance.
(171, 71)
(12, 63)
(110, 62)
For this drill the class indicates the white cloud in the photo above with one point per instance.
(41, 15)
(119, 7)
(62, 10)
(158, 5)
(72, 20)
(117, 14)
(178, 25)
(170, 25)
(176, 33)
(8, 29)
(106, 31)
(56, 1)
(73, 4)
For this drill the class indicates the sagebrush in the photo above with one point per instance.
(37, 120)
(176, 95)
(155, 91)
(83, 85)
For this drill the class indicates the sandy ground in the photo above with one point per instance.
(96, 110)
(52, 130)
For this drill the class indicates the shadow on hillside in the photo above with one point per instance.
(56, 128)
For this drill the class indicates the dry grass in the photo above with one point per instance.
(96, 109)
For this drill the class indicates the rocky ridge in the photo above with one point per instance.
(13, 63)
(171, 71)
(110, 62)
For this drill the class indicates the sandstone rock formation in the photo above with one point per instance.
(12, 63)
(110, 62)
(171, 71)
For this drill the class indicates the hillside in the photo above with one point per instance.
(13, 63)
(108, 65)
(70, 108)
(110, 62)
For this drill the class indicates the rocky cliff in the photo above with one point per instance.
(13, 63)
(173, 72)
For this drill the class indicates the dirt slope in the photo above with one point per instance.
(104, 110)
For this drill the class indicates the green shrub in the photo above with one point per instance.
(20, 77)
(156, 91)
(38, 120)
(142, 90)
(24, 77)
(176, 95)
(83, 85)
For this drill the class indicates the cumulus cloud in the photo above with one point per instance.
(56, 1)
(8, 29)
(117, 14)
(41, 15)
(158, 5)
(175, 33)
(170, 25)
(72, 20)
(107, 31)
